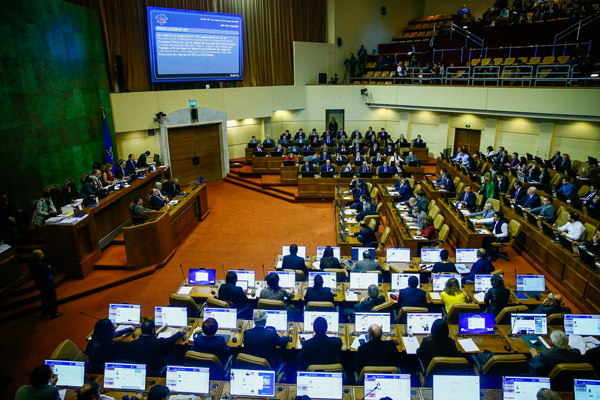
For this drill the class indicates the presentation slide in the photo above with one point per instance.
(194, 46)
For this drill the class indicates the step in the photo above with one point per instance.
(113, 257)
(27, 295)
(268, 192)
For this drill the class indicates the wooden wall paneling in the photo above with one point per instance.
(182, 150)
(208, 149)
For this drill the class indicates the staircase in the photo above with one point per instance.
(241, 175)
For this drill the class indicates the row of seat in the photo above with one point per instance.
(499, 61)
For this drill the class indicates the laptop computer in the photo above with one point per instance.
(188, 379)
(522, 387)
(519, 211)
(378, 386)
(289, 163)
(413, 163)
(400, 281)
(476, 324)
(531, 284)
(532, 219)
(124, 376)
(70, 373)
(327, 174)
(319, 385)
(586, 389)
(506, 202)
(561, 196)
(421, 323)
(549, 232)
(565, 243)
(419, 145)
(366, 319)
(377, 163)
(346, 174)
(384, 175)
(201, 276)
(366, 174)
(252, 383)
(308, 174)
(588, 259)
(470, 225)
(528, 324)
(362, 280)
(124, 314)
(582, 324)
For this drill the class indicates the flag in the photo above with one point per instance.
(109, 153)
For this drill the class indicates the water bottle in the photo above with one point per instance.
(409, 332)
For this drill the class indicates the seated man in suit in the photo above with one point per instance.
(359, 206)
(531, 199)
(306, 167)
(487, 213)
(233, 294)
(307, 148)
(552, 304)
(441, 180)
(292, 261)
(385, 169)
(502, 182)
(590, 171)
(588, 198)
(139, 211)
(367, 210)
(565, 162)
(449, 185)
(376, 352)
(321, 349)
(556, 158)
(264, 342)
(173, 189)
(366, 235)
(88, 188)
(348, 168)
(364, 168)
(514, 161)
(156, 201)
(483, 266)
(376, 153)
(300, 134)
(567, 188)
(533, 172)
(121, 170)
(397, 168)
(318, 292)
(418, 139)
(366, 304)
(383, 135)
(143, 160)
(594, 244)
(302, 141)
(405, 191)
(328, 140)
(327, 167)
(341, 158)
(360, 189)
(467, 199)
(207, 342)
(412, 296)
(161, 192)
(293, 149)
(519, 193)
(258, 149)
(356, 148)
(411, 157)
(268, 142)
(367, 263)
(546, 211)
(358, 158)
(131, 166)
(418, 216)
(543, 362)
(370, 133)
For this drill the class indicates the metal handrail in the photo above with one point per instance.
(467, 34)
(578, 26)
(537, 46)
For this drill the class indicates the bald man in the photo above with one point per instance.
(42, 276)
(376, 352)
(552, 304)
(89, 391)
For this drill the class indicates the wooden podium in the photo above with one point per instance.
(149, 243)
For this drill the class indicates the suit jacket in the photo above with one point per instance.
(422, 204)
(412, 297)
(449, 186)
(547, 212)
(262, 342)
(529, 201)
(324, 294)
(149, 350)
(292, 261)
(212, 345)
(361, 215)
(234, 294)
(557, 160)
(519, 194)
(141, 162)
(326, 168)
(481, 267)
(568, 190)
(364, 169)
(41, 273)
(319, 350)
(470, 202)
(592, 356)
(385, 169)
(366, 236)
(430, 348)
(543, 363)
(367, 305)
(131, 166)
(544, 179)
(548, 310)
(156, 202)
(396, 170)
(534, 174)
(87, 190)
(367, 265)
(406, 192)
(566, 164)
(120, 172)
(496, 299)
(376, 353)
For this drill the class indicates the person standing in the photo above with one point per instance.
(42, 276)
(353, 64)
(333, 126)
(362, 59)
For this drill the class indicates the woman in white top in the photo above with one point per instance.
(490, 152)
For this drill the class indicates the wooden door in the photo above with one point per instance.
(467, 137)
(200, 141)
(182, 149)
(208, 149)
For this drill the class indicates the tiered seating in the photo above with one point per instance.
(422, 28)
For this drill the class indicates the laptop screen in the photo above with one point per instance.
(247, 382)
(248, 276)
(194, 380)
(420, 324)
(439, 281)
(336, 252)
(582, 324)
(329, 279)
(400, 281)
(531, 283)
(452, 387)
(126, 314)
(285, 251)
(466, 256)
(430, 255)
(365, 320)
(397, 255)
(483, 283)
(242, 284)
(319, 385)
(171, 316)
(476, 324)
(70, 373)
(201, 277)
(226, 317)
(287, 279)
(521, 388)
(362, 280)
(586, 389)
(528, 324)
(378, 386)
(277, 319)
(331, 317)
(124, 376)
(357, 252)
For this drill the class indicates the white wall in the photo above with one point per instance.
(240, 132)
(136, 142)
(310, 59)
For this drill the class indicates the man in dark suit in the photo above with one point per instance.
(418, 140)
(467, 199)
(383, 135)
(556, 158)
(384, 168)
(566, 161)
(207, 342)
(88, 188)
(258, 149)
(542, 363)
(502, 182)
(156, 201)
(376, 352)
(142, 161)
(42, 276)
(368, 263)
(321, 349)
(449, 185)
(421, 203)
(367, 210)
(327, 167)
(333, 126)
(366, 304)
(306, 167)
(233, 294)
(268, 142)
(121, 170)
(530, 200)
(552, 304)
(262, 342)
(131, 166)
(364, 168)
(412, 296)
(519, 193)
(292, 261)
(150, 350)
(366, 235)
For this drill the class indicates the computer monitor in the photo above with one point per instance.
(400, 281)
(420, 324)
(452, 387)
(336, 252)
(242, 284)
(124, 314)
(171, 316)
(364, 320)
(439, 281)
(522, 388)
(329, 279)
(226, 317)
(331, 317)
(252, 383)
(357, 252)
(124, 376)
(362, 280)
(70, 373)
(378, 386)
(528, 324)
(193, 380)
(277, 319)
(319, 385)
(201, 277)
(531, 283)
(285, 251)
(476, 324)
(287, 279)
(248, 276)
(156, 158)
(586, 389)
(582, 324)
(483, 283)
(397, 255)
(430, 255)
(466, 256)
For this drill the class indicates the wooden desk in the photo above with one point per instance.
(495, 343)
(416, 172)
(149, 243)
(325, 188)
(267, 165)
(460, 236)
(289, 175)
(399, 235)
(345, 245)
(422, 153)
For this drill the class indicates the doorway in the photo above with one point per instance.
(469, 138)
(195, 151)
(339, 118)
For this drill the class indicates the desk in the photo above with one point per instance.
(460, 235)
(267, 165)
(422, 153)
(416, 172)
(325, 188)
(289, 175)
(495, 343)
(399, 235)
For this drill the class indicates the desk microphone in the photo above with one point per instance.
(182, 274)
(88, 315)
(374, 389)
(223, 269)
(263, 267)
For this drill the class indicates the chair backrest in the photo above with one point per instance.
(562, 217)
(456, 181)
(325, 368)
(432, 203)
(67, 350)
(575, 165)
(556, 319)
(460, 187)
(443, 235)
(401, 317)
(184, 300)
(583, 190)
(506, 364)
(197, 359)
(369, 187)
(411, 182)
(497, 272)
(370, 218)
(213, 302)
(266, 304)
(590, 230)
(246, 361)
(509, 61)
(460, 308)
(374, 193)
(384, 238)
(341, 274)
(434, 211)
(320, 306)
(446, 366)
(375, 370)
(485, 62)
(495, 204)
(372, 224)
(438, 221)
(417, 187)
(387, 306)
(378, 209)
(503, 317)
(562, 375)
(498, 61)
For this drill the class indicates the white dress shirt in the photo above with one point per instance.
(575, 230)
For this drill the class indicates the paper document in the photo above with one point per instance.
(356, 343)
(105, 397)
(166, 334)
(479, 297)
(62, 393)
(279, 264)
(173, 202)
(418, 237)
(347, 198)
(121, 327)
(544, 342)
(462, 268)
(591, 342)
(468, 345)
(182, 397)
(4, 247)
(351, 296)
(185, 290)
(394, 193)
(482, 231)
(317, 264)
(411, 344)
(577, 342)
(465, 212)
(306, 336)
(435, 296)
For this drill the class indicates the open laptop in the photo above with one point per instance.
(430, 256)
(439, 281)
(588, 259)
(226, 318)
(332, 318)
(582, 324)
(336, 252)
(532, 219)
(171, 316)
(124, 314)
(201, 277)
(452, 387)
(124, 376)
(378, 386)
(287, 279)
(358, 252)
(565, 243)
(483, 283)
(586, 389)
(531, 284)
(362, 280)
(549, 232)
(319, 385)
(421, 323)
(522, 388)
(329, 279)
(400, 281)
(528, 324)
(364, 320)
(248, 276)
(398, 256)
(70, 373)
(476, 324)
(285, 251)
(252, 383)
(277, 319)
(188, 379)
(466, 256)
(289, 163)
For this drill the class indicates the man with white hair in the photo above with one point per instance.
(262, 342)
(161, 193)
(530, 200)
(543, 362)
(486, 213)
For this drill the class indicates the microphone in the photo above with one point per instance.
(263, 268)
(182, 273)
(88, 315)
(374, 389)
(223, 268)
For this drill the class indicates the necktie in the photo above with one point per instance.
(466, 197)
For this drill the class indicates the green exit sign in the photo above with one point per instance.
(468, 126)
